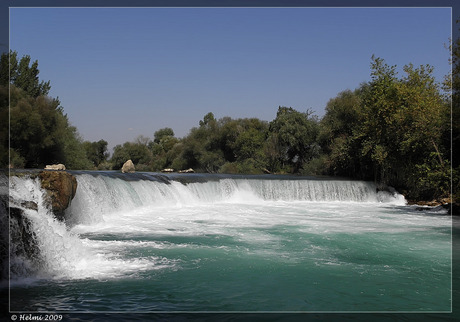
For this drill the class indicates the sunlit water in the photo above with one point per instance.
(144, 243)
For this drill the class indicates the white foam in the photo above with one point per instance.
(239, 208)
(99, 196)
(63, 255)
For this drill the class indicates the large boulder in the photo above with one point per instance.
(60, 187)
(59, 166)
(128, 167)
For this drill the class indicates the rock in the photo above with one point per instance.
(128, 166)
(452, 208)
(167, 170)
(22, 240)
(30, 205)
(59, 166)
(432, 203)
(60, 189)
(27, 204)
(190, 170)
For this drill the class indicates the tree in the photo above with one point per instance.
(163, 142)
(24, 75)
(162, 133)
(4, 125)
(248, 143)
(391, 130)
(137, 152)
(451, 137)
(296, 135)
(376, 133)
(336, 136)
(40, 132)
(207, 119)
(223, 145)
(120, 156)
(5, 70)
(96, 152)
(200, 150)
(190, 154)
(404, 124)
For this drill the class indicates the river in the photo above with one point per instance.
(150, 242)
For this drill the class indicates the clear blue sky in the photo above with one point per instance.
(124, 72)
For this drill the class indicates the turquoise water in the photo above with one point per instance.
(232, 244)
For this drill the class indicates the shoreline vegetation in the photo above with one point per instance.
(397, 131)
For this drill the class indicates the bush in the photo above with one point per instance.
(106, 165)
(229, 167)
(316, 166)
(16, 161)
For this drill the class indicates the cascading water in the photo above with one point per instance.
(150, 242)
(104, 194)
(61, 253)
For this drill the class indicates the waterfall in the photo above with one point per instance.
(40, 245)
(105, 193)
(44, 247)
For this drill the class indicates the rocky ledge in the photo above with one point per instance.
(451, 206)
(19, 241)
(60, 187)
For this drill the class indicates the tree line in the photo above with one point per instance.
(392, 129)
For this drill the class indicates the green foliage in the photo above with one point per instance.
(4, 70)
(96, 152)
(221, 145)
(74, 153)
(23, 75)
(4, 111)
(410, 126)
(394, 130)
(248, 143)
(390, 129)
(207, 119)
(41, 134)
(432, 181)
(296, 135)
(163, 149)
(4, 126)
(211, 161)
(315, 166)
(16, 160)
(138, 153)
(342, 115)
(120, 156)
(336, 136)
(453, 83)
(451, 86)
(106, 165)
(162, 133)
